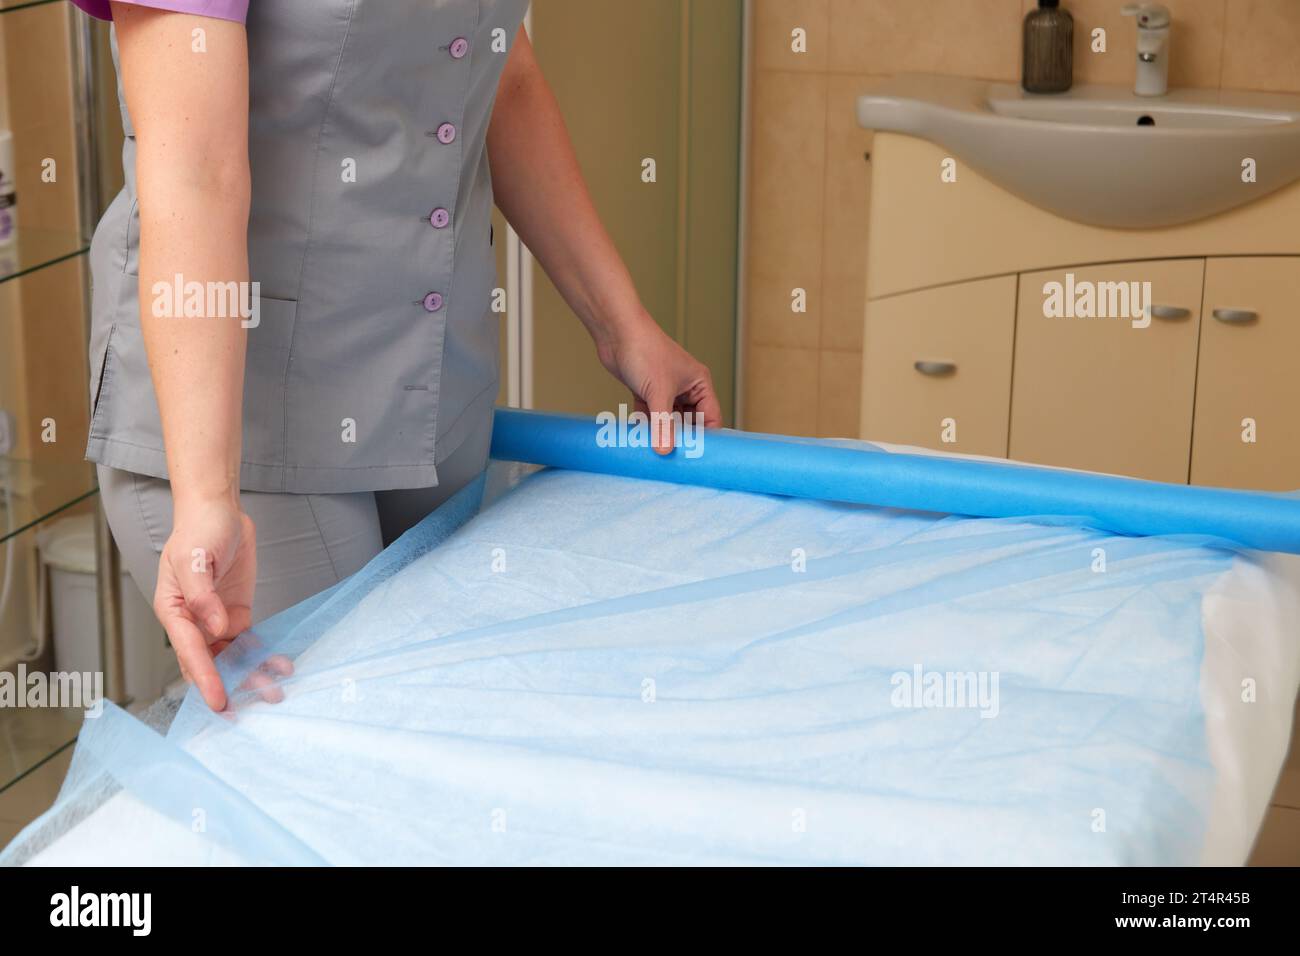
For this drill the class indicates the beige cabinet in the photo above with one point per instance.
(937, 367)
(1173, 401)
(1109, 368)
(1247, 432)
(1098, 386)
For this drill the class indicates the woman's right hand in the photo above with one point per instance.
(204, 596)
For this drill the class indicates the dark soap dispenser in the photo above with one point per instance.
(1049, 49)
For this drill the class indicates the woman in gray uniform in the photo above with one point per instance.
(294, 353)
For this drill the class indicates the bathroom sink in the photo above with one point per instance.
(1100, 154)
(1102, 109)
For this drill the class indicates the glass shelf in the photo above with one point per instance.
(36, 742)
(30, 737)
(37, 248)
(32, 492)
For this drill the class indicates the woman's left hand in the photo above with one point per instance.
(663, 376)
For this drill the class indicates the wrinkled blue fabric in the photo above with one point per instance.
(596, 670)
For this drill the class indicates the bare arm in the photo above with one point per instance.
(190, 112)
(540, 188)
(189, 106)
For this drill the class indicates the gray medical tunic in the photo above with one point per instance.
(375, 354)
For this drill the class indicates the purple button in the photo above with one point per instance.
(446, 133)
(439, 218)
(433, 302)
(459, 47)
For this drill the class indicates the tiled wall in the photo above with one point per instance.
(809, 184)
(38, 89)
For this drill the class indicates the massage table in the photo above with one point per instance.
(561, 667)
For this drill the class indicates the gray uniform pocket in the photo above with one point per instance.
(266, 371)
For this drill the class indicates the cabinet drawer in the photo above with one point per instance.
(1097, 392)
(937, 364)
(1250, 346)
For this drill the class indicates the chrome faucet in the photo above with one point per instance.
(1152, 48)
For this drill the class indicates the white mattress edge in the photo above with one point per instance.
(1251, 623)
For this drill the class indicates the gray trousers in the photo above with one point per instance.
(305, 543)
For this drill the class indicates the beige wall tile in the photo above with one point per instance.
(788, 158)
(964, 37)
(42, 204)
(840, 394)
(1278, 843)
(773, 23)
(1287, 792)
(31, 796)
(1196, 42)
(37, 75)
(1261, 46)
(781, 390)
(5, 83)
(772, 321)
(845, 298)
(54, 361)
(37, 64)
(13, 378)
(848, 201)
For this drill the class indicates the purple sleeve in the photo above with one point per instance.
(236, 10)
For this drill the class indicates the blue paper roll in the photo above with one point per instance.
(736, 461)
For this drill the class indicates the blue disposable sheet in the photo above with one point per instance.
(599, 669)
(850, 472)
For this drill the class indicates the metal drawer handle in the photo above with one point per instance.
(1235, 315)
(935, 368)
(1169, 312)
